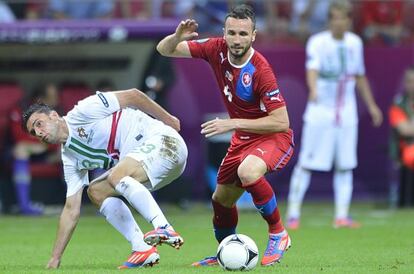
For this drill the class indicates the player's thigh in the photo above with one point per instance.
(99, 190)
(227, 172)
(163, 159)
(251, 168)
(127, 167)
(317, 147)
(266, 155)
(227, 194)
(346, 148)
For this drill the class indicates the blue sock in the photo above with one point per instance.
(21, 177)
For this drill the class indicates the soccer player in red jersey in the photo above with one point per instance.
(262, 141)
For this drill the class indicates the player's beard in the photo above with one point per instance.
(241, 54)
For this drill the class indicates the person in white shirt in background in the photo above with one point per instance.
(334, 66)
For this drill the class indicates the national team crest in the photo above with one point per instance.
(246, 79)
(82, 133)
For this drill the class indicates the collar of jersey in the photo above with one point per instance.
(245, 63)
(66, 144)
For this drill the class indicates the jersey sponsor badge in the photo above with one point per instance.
(103, 99)
(246, 79)
(272, 93)
(81, 132)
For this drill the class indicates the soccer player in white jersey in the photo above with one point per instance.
(113, 130)
(334, 66)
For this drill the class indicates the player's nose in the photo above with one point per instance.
(38, 132)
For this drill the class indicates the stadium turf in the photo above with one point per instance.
(385, 243)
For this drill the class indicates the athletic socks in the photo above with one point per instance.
(265, 201)
(120, 217)
(343, 192)
(299, 184)
(141, 199)
(224, 220)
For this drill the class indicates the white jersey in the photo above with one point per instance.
(338, 62)
(98, 133)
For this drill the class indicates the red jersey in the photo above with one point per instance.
(249, 91)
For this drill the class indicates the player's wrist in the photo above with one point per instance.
(236, 124)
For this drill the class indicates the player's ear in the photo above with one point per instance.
(224, 34)
(254, 35)
(54, 114)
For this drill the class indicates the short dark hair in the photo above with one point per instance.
(242, 12)
(342, 5)
(34, 108)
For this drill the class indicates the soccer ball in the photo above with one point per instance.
(237, 252)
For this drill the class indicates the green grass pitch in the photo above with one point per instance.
(385, 243)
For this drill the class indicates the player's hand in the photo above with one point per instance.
(217, 126)
(376, 115)
(53, 263)
(174, 122)
(186, 30)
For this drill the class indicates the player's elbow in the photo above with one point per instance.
(284, 126)
(161, 50)
(281, 123)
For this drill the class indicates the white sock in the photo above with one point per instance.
(120, 217)
(141, 199)
(299, 184)
(342, 192)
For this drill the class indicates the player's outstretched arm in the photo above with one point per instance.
(137, 99)
(67, 224)
(276, 121)
(175, 45)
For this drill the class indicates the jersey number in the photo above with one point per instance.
(148, 148)
(90, 165)
(227, 93)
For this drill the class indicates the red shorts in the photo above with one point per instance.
(275, 150)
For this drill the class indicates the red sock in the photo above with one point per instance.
(265, 201)
(224, 220)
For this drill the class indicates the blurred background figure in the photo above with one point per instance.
(382, 21)
(308, 17)
(6, 14)
(27, 148)
(276, 18)
(401, 116)
(158, 79)
(105, 85)
(146, 10)
(334, 67)
(30, 9)
(209, 14)
(74, 9)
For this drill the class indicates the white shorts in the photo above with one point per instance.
(323, 147)
(163, 158)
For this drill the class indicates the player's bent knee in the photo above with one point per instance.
(115, 177)
(95, 195)
(92, 195)
(248, 175)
